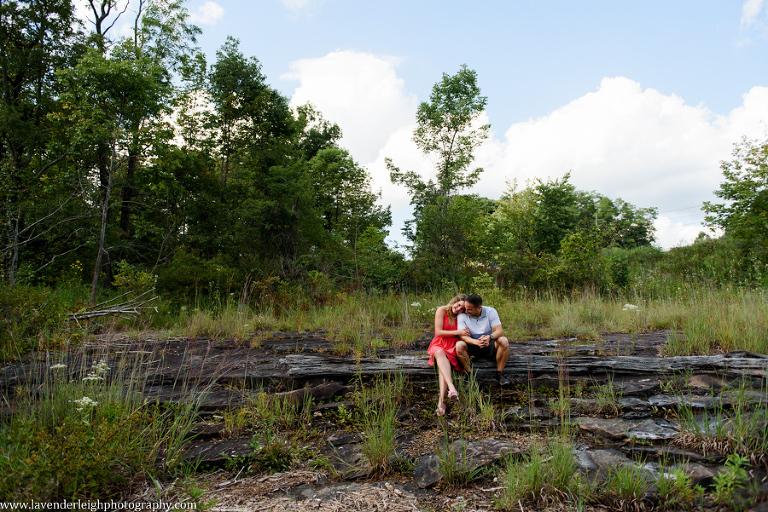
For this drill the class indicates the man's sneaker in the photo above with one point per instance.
(501, 380)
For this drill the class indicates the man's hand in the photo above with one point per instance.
(483, 341)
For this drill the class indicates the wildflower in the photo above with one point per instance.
(85, 402)
(58, 366)
(630, 307)
(416, 304)
(92, 377)
(101, 367)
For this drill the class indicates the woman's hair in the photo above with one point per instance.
(449, 308)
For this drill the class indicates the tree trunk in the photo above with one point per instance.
(128, 193)
(104, 218)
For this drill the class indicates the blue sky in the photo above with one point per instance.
(639, 100)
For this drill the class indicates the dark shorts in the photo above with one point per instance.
(488, 352)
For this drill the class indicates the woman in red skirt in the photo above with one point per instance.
(443, 347)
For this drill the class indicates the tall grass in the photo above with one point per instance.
(82, 428)
(701, 318)
(547, 474)
(378, 404)
(741, 429)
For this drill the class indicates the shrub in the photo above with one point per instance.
(29, 317)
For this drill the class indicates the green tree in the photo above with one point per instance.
(235, 88)
(163, 35)
(109, 98)
(343, 195)
(448, 129)
(511, 235)
(556, 213)
(744, 215)
(36, 38)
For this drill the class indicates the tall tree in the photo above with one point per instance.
(36, 38)
(235, 85)
(108, 98)
(744, 214)
(347, 205)
(163, 35)
(448, 128)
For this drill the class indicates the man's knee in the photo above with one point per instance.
(461, 347)
(503, 343)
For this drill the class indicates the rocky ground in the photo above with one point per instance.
(640, 424)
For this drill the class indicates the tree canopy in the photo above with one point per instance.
(132, 151)
(744, 214)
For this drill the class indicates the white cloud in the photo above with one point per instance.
(207, 14)
(750, 11)
(297, 6)
(359, 91)
(622, 141)
(643, 146)
(676, 234)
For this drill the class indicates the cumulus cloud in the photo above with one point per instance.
(207, 14)
(359, 91)
(621, 140)
(643, 146)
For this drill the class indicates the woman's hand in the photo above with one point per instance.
(463, 332)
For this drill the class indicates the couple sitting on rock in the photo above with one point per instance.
(465, 329)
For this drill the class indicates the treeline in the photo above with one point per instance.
(132, 158)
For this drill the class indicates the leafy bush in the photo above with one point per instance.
(192, 278)
(30, 317)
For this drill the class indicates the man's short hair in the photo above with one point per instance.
(475, 300)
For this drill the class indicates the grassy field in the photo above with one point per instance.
(702, 320)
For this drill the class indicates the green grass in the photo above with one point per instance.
(700, 318)
(625, 486)
(475, 405)
(741, 429)
(545, 475)
(378, 403)
(85, 430)
(675, 489)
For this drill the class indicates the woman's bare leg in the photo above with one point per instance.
(444, 376)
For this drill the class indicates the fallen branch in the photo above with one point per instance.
(127, 310)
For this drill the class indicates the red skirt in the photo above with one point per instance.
(448, 345)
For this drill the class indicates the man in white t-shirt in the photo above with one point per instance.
(486, 337)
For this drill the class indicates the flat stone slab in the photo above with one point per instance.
(597, 464)
(618, 429)
(215, 453)
(469, 456)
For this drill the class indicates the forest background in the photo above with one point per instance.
(130, 163)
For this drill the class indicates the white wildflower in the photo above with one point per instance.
(416, 304)
(101, 367)
(630, 307)
(84, 402)
(58, 366)
(92, 377)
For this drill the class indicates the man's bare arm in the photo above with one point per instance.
(498, 332)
